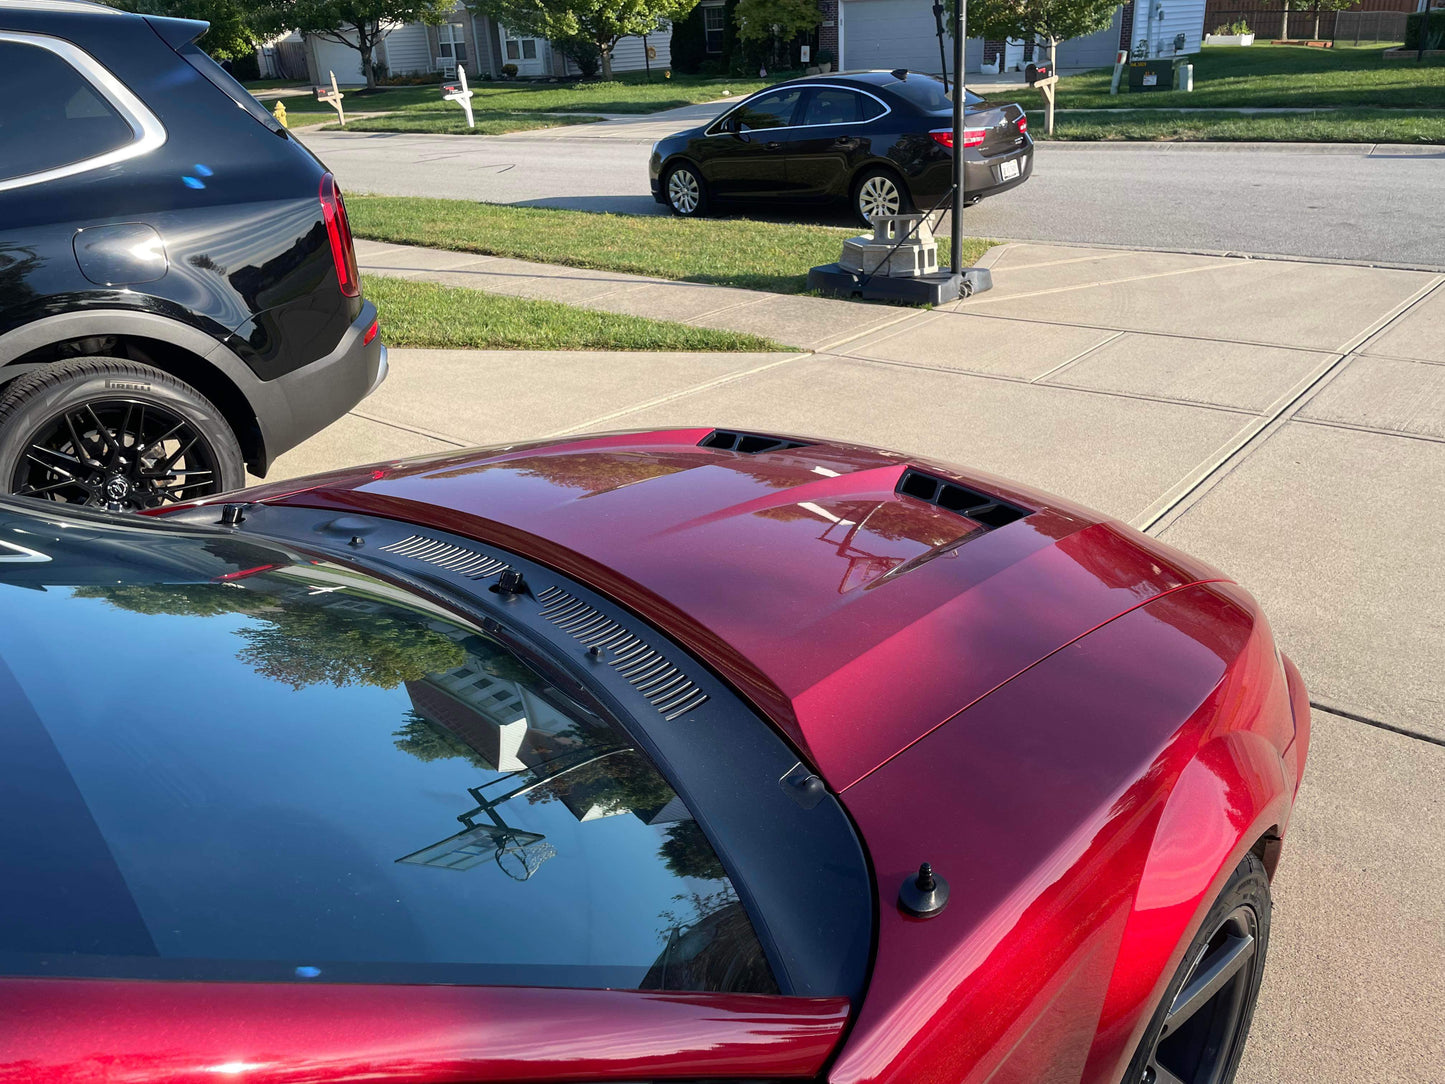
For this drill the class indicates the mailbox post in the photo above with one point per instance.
(332, 98)
(460, 93)
(1039, 75)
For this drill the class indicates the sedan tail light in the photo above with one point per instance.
(972, 137)
(338, 232)
(1023, 123)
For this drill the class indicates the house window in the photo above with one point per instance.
(713, 16)
(452, 42)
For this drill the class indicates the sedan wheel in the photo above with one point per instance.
(880, 193)
(685, 193)
(1198, 1037)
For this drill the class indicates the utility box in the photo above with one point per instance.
(891, 251)
(1151, 75)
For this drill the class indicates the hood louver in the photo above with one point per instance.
(952, 497)
(458, 559)
(730, 440)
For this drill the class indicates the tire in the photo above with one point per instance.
(685, 190)
(113, 434)
(1205, 1045)
(876, 191)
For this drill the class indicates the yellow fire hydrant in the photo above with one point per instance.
(280, 113)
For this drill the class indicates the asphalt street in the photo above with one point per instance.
(1359, 202)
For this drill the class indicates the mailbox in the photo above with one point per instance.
(1035, 72)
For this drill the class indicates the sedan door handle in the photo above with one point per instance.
(775, 146)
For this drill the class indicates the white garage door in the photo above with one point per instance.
(344, 60)
(889, 34)
(1094, 50)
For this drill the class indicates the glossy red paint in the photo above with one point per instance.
(73, 1031)
(801, 575)
(1086, 814)
(1081, 729)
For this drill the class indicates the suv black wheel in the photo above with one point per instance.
(686, 191)
(113, 434)
(1197, 1035)
(879, 192)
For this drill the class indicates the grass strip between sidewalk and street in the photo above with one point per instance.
(454, 122)
(426, 314)
(1335, 126)
(754, 255)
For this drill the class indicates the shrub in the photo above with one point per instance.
(825, 56)
(1413, 25)
(689, 43)
(509, 70)
(584, 53)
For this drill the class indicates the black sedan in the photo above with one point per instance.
(881, 140)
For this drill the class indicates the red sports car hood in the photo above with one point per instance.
(857, 617)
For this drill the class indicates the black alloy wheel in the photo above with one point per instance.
(113, 435)
(1198, 1035)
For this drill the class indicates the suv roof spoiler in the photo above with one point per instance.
(177, 32)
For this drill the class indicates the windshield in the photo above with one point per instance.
(927, 94)
(226, 760)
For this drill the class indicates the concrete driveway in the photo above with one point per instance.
(1285, 421)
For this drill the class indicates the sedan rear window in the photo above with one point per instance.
(52, 115)
(282, 769)
(928, 95)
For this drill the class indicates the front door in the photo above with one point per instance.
(832, 133)
(526, 53)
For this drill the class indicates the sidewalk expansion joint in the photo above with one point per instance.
(460, 442)
(1080, 356)
(660, 400)
(989, 299)
(1330, 709)
(1177, 501)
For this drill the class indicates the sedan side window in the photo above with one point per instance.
(829, 106)
(54, 116)
(774, 110)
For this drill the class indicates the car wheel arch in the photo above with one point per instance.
(178, 349)
(1163, 916)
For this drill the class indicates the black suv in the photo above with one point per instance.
(179, 297)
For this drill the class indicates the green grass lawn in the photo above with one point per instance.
(727, 251)
(453, 121)
(1356, 77)
(425, 314)
(628, 93)
(1339, 126)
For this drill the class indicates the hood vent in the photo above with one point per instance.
(730, 440)
(666, 687)
(458, 559)
(950, 496)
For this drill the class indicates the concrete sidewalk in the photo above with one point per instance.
(1285, 421)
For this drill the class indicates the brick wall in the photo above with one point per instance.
(828, 34)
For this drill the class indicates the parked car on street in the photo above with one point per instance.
(691, 755)
(179, 296)
(883, 141)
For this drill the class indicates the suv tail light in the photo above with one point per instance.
(972, 137)
(338, 232)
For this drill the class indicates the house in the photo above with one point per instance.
(902, 33)
(478, 42)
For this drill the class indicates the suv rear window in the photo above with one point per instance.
(225, 82)
(53, 116)
(286, 770)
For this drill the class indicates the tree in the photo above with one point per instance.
(600, 22)
(361, 24)
(233, 34)
(1045, 21)
(773, 21)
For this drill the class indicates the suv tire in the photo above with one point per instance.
(113, 434)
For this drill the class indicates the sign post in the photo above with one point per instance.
(459, 92)
(332, 98)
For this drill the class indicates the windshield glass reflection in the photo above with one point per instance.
(286, 769)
